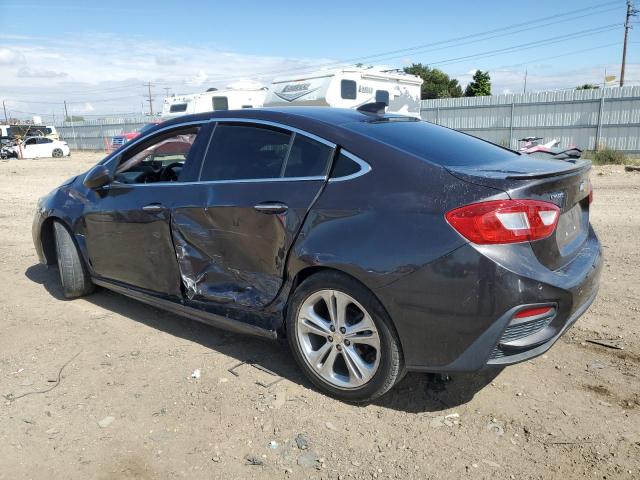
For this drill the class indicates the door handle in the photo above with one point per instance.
(271, 207)
(153, 208)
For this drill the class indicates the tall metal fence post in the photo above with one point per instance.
(511, 125)
(102, 139)
(599, 126)
(438, 115)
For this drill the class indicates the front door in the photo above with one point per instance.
(256, 186)
(128, 224)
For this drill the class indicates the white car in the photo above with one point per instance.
(39, 147)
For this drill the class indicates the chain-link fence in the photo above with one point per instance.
(97, 134)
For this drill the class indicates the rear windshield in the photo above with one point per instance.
(434, 143)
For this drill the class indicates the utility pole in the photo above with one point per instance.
(66, 112)
(150, 99)
(166, 91)
(525, 81)
(6, 120)
(631, 12)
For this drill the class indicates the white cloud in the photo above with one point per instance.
(199, 79)
(88, 108)
(110, 72)
(10, 57)
(28, 72)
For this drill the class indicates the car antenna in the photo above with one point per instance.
(375, 108)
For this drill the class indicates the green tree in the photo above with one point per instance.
(480, 86)
(437, 84)
(587, 86)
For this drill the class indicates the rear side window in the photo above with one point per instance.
(431, 142)
(307, 158)
(344, 166)
(382, 96)
(220, 103)
(244, 152)
(178, 107)
(348, 89)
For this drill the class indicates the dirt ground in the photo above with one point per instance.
(126, 405)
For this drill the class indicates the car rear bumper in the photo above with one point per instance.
(457, 314)
(503, 357)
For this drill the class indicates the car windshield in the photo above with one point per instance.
(436, 144)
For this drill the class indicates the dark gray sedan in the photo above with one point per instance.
(374, 243)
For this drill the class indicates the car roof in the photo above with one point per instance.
(325, 122)
(293, 116)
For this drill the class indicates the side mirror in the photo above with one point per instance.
(97, 177)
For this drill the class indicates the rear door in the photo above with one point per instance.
(256, 185)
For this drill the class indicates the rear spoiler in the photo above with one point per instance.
(576, 166)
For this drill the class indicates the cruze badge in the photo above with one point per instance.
(557, 198)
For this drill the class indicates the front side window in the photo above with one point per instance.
(245, 152)
(160, 159)
(31, 141)
(220, 103)
(45, 140)
(348, 89)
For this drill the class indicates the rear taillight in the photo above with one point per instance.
(505, 221)
(590, 193)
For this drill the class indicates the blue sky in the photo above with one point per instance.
(97, 56)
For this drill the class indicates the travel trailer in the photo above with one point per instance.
(234, 97)
(349, 88)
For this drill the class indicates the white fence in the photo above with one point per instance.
(589, 119)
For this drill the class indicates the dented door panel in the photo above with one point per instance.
(130, 245)
(231, 253)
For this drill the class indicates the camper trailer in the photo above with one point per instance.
(349, 88)
(234, 97)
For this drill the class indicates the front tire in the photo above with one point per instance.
(75, 279)
(342, 338)
(57, 153)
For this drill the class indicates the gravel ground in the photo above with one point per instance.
(126, 405)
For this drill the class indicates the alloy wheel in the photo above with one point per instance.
(338, 339)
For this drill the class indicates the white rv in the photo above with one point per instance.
(349, 88)
(234, 97)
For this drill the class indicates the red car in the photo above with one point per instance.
(118, 140)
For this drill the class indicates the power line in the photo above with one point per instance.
(530, 24)
(529, 45)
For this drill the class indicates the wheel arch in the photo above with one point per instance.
(47, 239)
(311, 270)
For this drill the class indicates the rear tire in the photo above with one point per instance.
(75, 279)
(57, 153)
(362, 361)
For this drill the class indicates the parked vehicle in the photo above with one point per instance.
(37, 147)
(349, 88)
(30, 130)
(236, 96)
(532, 146)
(374, 243)
(118, 140)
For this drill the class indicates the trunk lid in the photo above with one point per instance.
(564, 183)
